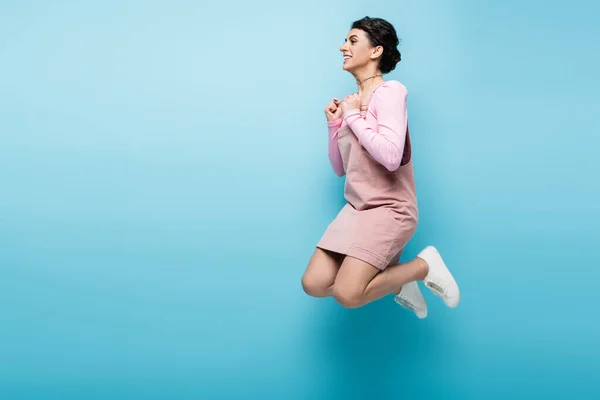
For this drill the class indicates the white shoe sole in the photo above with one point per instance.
(410, 297)
(450, 294)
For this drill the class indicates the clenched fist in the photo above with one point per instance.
(333, 110)
(350, 102)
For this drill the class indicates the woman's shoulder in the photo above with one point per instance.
(391, 90)
(394, 85)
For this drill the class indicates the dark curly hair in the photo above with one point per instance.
(381, 33)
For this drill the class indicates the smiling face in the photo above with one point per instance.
(358, 51)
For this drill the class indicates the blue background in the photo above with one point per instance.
(164, 179)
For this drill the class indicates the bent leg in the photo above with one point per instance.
(358, 282)
(320, 274)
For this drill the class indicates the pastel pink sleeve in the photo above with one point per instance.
(385, 138)
(335, 157)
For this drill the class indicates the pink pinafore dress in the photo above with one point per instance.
(381, 212)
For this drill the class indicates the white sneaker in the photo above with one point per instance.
(410, 297)
(439, 279)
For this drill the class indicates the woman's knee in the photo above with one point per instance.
(348, 297)
(314, 286)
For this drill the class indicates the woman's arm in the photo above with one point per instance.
(385, 139)
(335, 157)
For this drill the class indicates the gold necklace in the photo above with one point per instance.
(373, 76)
(359, 82)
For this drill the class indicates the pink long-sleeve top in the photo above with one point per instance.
(383, 130)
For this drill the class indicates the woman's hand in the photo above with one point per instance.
(350, 102)
(332, 110)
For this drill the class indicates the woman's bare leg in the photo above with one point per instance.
(358, 283)
(320, 274)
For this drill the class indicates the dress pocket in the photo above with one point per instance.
(378, 232)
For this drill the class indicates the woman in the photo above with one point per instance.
(356, 260)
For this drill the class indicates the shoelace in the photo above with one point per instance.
(407, 303)
(436, 288)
